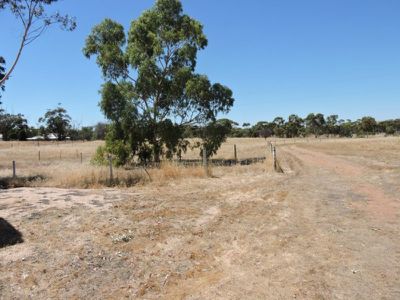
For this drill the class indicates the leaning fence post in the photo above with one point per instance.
(235, 153)
(14, 169)
(111, 169)
(205, 162)
(274, 157)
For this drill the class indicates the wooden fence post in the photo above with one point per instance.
(235, 153)
(205, 162)
(274, 157)
(39, 155)
(14, 169)
(111, 169)
(81, 158)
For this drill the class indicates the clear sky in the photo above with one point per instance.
(278, 56)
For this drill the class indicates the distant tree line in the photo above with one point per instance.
(314, 125)
(58, 123)
(55, 124)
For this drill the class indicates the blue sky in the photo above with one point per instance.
(278, 56)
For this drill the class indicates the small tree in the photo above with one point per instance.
(332, 124)
(293, 126)
(35, 20)
(368, 125)
(315, 124)
(57, 121)
(279, 123)
(346, 128)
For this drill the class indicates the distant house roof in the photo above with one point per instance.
(36, 138)
(52, 137)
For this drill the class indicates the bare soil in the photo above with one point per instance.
(328, 228)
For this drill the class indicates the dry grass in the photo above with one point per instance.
(246, 148)
(367, 147)
(60, 164)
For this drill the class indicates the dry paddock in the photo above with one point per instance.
(68, 164)
(326, 228)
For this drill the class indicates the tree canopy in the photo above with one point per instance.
(57, 121)
(151, 89)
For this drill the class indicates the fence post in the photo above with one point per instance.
(81, 158)
(14, 169)
(205, 162)
(111, 169)
(235, 153)
(39, 155)
(274, 157)
(60, 154)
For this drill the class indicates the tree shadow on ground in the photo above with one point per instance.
(9, 236)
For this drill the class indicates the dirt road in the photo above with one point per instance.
(326, 229)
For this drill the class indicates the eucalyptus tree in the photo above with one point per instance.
(13, 127)
(57, 121)
(294, 125)
(34, 18)
(151, 89)
(279, 129)
(332, 124)
(315, 124)
(368, 125)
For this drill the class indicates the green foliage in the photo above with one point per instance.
(389, 127)
(315, 124)
(332, 124)
(57, 121)
(213, 135)
(151, 91)
(13, 127)
(368, 125)
(118, 150)
(279, 129)
(293, 128)
(100, 157)
(346, 128)
(83, 134)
